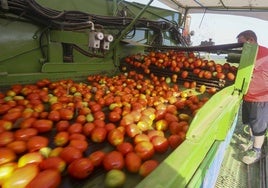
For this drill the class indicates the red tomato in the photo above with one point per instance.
(6, 137)
(54, 115)
(152, 133)
(113, 160)
(18, 146)
(114, 116)
(69, 154)
(66, 114)
(43, 125)
(99, 115)
(144, 149)
(125, 148)
(174, 141)
(87, 128)
(35, 143)
(95, 107)
(97, 157)
(75, 128)
(22, 176)
(99, 123)
(62, 125)
(169, 117)
(110, 126)
(61, 138)
(98, 134)
(27, 122)
(77, 136)
(7, 155)
(49, 178)
(53, 163)
(115, 137)
(81, 168)
(147, 167)
(175, 127)
(25, 134)
(82, 145)
(12, 116)
(160, 144)
(132, 162)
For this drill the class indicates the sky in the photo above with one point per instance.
(223, 29)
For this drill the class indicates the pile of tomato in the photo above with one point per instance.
(51, 129)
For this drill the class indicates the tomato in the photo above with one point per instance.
(132, 130)
(6, 137)
(161, 125)
(99, 123)
(87, 128)
(43, 125)
(70, 153)
(98, 134)
(95, 107)
(7, 155)
(6, 171)
(115, 178)
(153, 132)
(82, 145)
(25, 134)
(147, 167)
(62, 125)
(141, 137)
(125, 147)
(77, 136)
(35, 143)
(53, 163)
(6, 125)
(75, 128)
(54, 115)
(113, 160)
(160, 144)
(27, 122)
(21, 176)
(66, 114)
(81, 119)
(12, 116)
(4, 108)
(144, 149)
(114, 116)
(49, 178)
(55, 152)
(81, 168)
(174, 141)
(61, 138)
(115, 137)
(169, 117)
(132, 162)
(32, 157)
(18, 146)
(97, 157)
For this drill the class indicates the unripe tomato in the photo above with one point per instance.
(21, 176)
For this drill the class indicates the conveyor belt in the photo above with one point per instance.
(236, 174)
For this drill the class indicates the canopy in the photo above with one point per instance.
(251, 8)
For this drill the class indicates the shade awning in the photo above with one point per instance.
(251, 8)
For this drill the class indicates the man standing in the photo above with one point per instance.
(255, 101)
